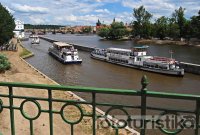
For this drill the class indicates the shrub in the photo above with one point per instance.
(4, 63)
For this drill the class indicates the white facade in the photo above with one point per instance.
(19, 29)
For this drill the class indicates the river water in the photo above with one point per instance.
(94, 73)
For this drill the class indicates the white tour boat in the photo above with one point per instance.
(65, 53)
(35, 40)
(137, 58)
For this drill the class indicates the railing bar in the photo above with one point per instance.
(197, 117)
(104, 104)
(53, 100)
(172, 96)
(94, 113)
(4, 95)
(50, 111)
(100, 90)
(31, 127)
(12, 117)
(72, 88)
(144, 83)
(32, 98)
(116, 131)
(117, 105)
(71, 101)
(164, 109)
(72, 129)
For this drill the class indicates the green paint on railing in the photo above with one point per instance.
(143, 94)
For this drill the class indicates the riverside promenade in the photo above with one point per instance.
(23, 72)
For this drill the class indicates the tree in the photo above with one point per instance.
(87, 29)
(7, 25)
(161, 27)
(104, 32)
(4, 63)
(195, 25)
(116, 31)
(178, 15)
(142, 24)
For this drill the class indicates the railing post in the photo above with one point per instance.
(197, 117)
(94, 113)
(12, 117)
(144, 83)
(50, 111)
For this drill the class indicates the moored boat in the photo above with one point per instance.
(35, 40)
(65, 53)
(137, 58)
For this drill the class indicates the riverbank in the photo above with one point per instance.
(165, 42)
(159, 42)
(23, 72)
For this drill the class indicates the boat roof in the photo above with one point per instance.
(119, 49)
(62, 44)
(141, 47)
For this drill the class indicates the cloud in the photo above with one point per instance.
(10, 10)
(81, 12)
(164, 7)
(102, 11)
(38, 19)
(78, 20)
(29, 9)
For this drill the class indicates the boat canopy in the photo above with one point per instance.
(119, 50)
(140, 48)
(62, 44)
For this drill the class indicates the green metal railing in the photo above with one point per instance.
(143, 94)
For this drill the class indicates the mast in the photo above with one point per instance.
(171, 52)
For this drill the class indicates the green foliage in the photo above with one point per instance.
(4, 63)
(178, 15)
(175, 27)
(142, 24)
(7, 25)
(116, 31)
(161, 27)
(104, 32)
(87, 29)
(195, 25)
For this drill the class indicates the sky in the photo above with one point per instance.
(87, 12)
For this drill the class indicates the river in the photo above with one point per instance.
(94, 73)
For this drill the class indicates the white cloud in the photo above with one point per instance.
(78, 20)
(29, 9)
(10, 10)
(80, 12)
(102, 11)
(36, 20)
(164, 7)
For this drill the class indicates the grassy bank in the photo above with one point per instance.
(25, 53)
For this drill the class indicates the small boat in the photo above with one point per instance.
(137, 58)
(35, 40)
(65, 53)
(32, 36)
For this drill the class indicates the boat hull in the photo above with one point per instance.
(160, 71)
(63, 61)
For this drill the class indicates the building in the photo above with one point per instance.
(19, 29)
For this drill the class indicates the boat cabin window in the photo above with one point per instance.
(138, 59)
(119, 52)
